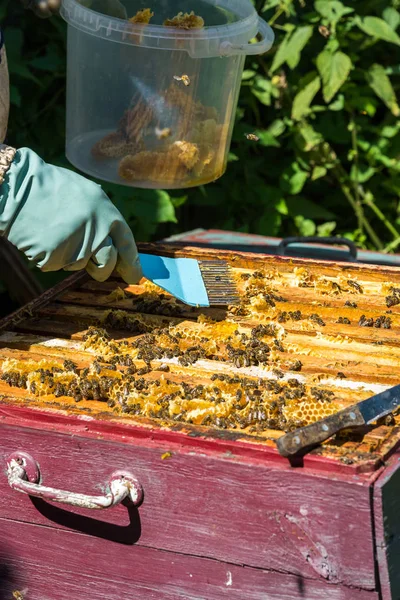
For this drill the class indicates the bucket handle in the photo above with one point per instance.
(267, 39)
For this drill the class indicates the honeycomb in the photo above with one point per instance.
(141, 377)
(224, 401)
(185, 21)
(246, 368)
(142, 17)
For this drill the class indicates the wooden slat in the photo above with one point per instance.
(386, 513)
(200, 505)
(71, 565)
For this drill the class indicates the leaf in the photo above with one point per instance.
(268, 224)
(332, 10)
(310, 86)
(248, 74)
(51, 61)
(337, 104)
(318, 172)
(263, 90)
(154, 206)
(15, 96)
(334, 70)
(179, 201)
(326, 229)
(277, 127)
(378, 28)
(293, 179)
(393, 70)
(267, 139)
(18, 68)
(306, 227)
(362, 173)
(308, 209)
(281, 53)
(389, 131)
(380, 83)
(290, 49)
(307, 138)
(392, 17)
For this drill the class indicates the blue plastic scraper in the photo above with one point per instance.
(194, 282)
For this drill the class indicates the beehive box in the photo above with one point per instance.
(98, 377)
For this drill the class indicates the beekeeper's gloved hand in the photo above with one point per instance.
(61, 220)
(47, 8)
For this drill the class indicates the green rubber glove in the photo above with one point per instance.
(61, 220)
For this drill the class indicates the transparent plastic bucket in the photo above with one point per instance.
(153, 106)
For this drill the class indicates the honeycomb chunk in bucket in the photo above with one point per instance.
(142, 17)
(152, 166)
(114, 145)
(185, 21)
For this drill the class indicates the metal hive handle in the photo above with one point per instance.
(23, 474)
(325, 241)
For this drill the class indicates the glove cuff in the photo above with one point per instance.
(7, 154)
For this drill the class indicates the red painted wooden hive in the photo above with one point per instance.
(190, 402)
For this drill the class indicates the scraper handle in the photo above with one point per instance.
(307, 437)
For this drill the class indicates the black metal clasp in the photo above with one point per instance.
(324, 241)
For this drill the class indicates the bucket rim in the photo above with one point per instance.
(91, 21)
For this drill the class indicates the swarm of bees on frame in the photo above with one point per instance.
(167, 370)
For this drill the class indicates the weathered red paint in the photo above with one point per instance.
(220, 507)
(130, 434)
(66, 565)
(387, 528)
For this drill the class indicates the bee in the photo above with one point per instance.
(163, 134)
(392, 300)
(279, 346)
(144, 371)
(69, 365)
(356, 286)
(96, 367)
(364, 322)
(60, 390)
(252, 137)
(184, 78)
(19, 595)
(278, 373)
(317, 319)
(324, 31)
(350, 304)
(164, 368)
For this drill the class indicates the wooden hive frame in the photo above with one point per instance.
(336, 349)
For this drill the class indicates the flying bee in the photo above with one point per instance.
(184, 78)
(324, 31)
(252, 137)
(19, 595)
(163, 134)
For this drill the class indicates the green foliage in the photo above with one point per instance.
(324, 103)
